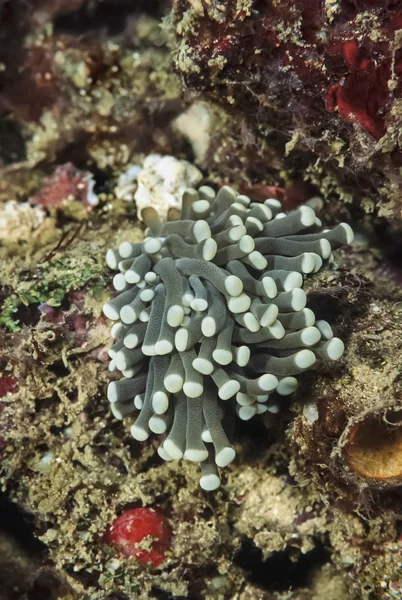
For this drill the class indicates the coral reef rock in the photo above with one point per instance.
(312, 78)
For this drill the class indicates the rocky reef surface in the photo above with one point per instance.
(288, 100)
(319, 81)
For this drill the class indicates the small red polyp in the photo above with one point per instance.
(141, 533)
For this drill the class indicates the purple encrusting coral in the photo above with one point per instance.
(210, 310)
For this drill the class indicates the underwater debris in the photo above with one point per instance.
(142, 533)
(211, 308)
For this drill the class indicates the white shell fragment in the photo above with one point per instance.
(210, 318)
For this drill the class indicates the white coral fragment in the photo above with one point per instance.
(162, 181)
(21, 222)
(127, 183)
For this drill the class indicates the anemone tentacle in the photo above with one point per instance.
(211, 316)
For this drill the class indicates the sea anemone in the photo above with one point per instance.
(210, 317)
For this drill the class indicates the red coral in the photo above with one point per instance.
(66, 183)
(363, 93)
(142, 533)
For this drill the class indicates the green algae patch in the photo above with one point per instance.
(53, 280)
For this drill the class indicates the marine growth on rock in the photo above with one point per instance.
(211, 318)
